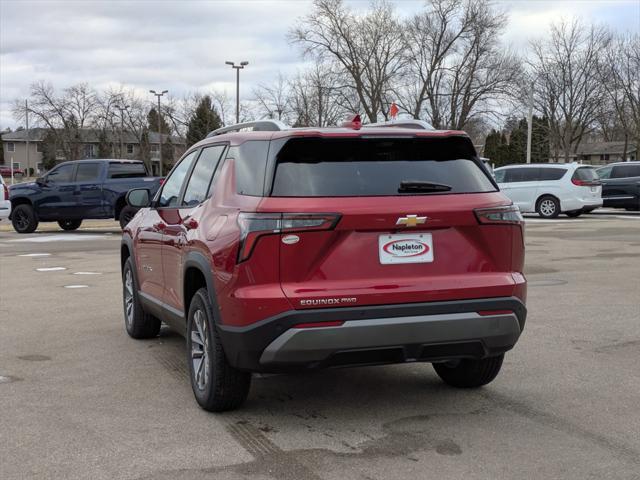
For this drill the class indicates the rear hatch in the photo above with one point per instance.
(371, 221)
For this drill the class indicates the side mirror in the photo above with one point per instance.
(138, 198)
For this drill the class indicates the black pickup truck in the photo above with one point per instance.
(621, 185)
(78, 190)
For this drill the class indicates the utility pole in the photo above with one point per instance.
(122, 109)
(238, 68)
(159, 125)
(26, 112)
(530, 124)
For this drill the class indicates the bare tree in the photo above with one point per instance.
(455, 67)
(620, 75)
(273, 99)
(315, 97)
(368, 48)
(65, 115)
(568, 89)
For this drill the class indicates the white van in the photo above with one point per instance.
(550, 189)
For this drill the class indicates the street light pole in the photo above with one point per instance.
(530, 124)
(122, 109)
(238, 68)
(159, 125)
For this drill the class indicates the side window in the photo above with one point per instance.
(87, 172)
(126, 170)
(625, 171)
(198, 185)
(499, 175)
(522, 175)
(62, 174)
(552, 173)
(250, 166)
(172, 186)
(604, 172)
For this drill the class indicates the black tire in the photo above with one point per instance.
(69, 224)
(548, 207)
(216, 385)
(126, 214)
(137, 323)
(24, 219)
(574, 214)
(469, 373)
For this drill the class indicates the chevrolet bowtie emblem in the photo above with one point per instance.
(411, 220)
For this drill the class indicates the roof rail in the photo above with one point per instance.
(255, 126)
(408, 123)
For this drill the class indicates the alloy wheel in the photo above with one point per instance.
(128, 297)
(547, 207)
(200, 350)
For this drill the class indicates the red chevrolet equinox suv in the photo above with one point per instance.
(276, 249)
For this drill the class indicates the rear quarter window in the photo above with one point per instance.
(330, 167)
(126, 170)
(250, 162)
(547, 174)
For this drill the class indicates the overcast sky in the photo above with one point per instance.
(182, 45)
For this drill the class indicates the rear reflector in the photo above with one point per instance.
(336, 323)
(488, 313)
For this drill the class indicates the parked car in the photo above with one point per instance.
(621, 185)
(5, 204)
(5, 171)
(78, 190)
(551, 189)
(297, 249)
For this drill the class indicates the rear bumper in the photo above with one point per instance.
(380, 334)
(572, 204)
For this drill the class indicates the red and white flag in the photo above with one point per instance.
(393, 111)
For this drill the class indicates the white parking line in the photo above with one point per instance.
(69, 237)
(87, 273)
(50, 269)
(35, 255)
(76, 286)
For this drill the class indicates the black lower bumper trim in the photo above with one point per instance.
(244, 345)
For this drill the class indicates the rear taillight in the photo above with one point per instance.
(509, 214)
(6, 191)
(256, 225)
(585, 183)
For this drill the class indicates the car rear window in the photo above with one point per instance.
(317, 167)
(587, 174)
(126, 170)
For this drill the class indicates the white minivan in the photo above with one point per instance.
(550, 189)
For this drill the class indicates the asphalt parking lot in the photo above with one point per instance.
(80, 399)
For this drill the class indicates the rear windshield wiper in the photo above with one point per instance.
(418, 186)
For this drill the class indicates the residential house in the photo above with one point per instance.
(600, 153)
(123, 145)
